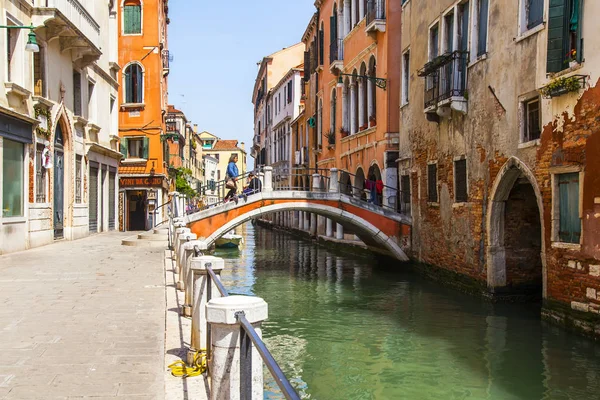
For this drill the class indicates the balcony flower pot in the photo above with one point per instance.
(344, 133)
(372, 121)
(330, 137)
(562, 85)
(363, 127)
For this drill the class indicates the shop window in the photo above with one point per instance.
(12, 179)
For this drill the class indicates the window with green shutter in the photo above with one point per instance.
(134, 84)
(565, 42)
(132, 20)
(568, 203)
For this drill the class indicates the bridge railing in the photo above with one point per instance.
(216, 314)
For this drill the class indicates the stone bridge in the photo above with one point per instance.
(379, 228)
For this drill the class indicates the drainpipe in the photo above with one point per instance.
(317, 84)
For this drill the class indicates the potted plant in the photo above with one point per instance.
(372, 120)
(344, 132)
(572, 58)
(363, 127)
(330, 137)
(561, 86)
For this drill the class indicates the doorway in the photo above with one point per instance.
(515, 267)
(93, 220)
(136, 209)
(59, 183)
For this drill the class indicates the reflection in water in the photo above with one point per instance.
(348, 325)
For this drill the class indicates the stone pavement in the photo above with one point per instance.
(83, 319)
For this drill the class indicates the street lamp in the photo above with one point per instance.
(32, 45)
(379, 82)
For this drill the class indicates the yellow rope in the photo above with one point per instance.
(180, 368)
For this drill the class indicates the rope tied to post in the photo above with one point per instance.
(181, 370)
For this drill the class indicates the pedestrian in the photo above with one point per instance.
(371, 187)
(231, 178)
(254, 185)
(379, 188)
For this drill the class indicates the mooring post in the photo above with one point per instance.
(235, 365)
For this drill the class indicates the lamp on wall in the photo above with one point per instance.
(32, 45)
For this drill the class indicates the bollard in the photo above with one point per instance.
(199, 290)
(329, 228)
(339, 232)
(178, 232)
(226, 355)
(183, 239)
(316, 182)
(187, 251)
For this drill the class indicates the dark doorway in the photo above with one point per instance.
(523, 241)
(59, 183)
(136, 206)
(93, 205)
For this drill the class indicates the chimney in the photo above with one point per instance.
(195, 128)
(242, 146)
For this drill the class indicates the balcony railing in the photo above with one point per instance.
(375, 11)
(445, 77)
(167, 57)
(336, 51)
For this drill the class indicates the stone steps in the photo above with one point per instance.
(157, 237)
(153, 236)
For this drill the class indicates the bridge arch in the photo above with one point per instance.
(365, 230)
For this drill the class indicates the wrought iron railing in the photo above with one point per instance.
(375, 10)
(445, 77)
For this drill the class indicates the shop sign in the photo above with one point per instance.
(141, 181)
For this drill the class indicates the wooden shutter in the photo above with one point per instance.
(483, 27)
(405, 188)
(321, 47)
(139, 84)
(128, 85)
(133, 19)
(432, 195)
(145, 149)
(460, 181)
(306, 66)
(570, 223)
(556, 36)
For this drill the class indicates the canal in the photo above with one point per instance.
(347, 325)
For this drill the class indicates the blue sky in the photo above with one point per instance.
(216, 45)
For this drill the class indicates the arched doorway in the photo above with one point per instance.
(374, 176)
(345, 183)
(515, 264)
(59, 182)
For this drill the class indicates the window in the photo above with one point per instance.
(463, 26)
(132, 18)
(482, 26)
(135, 147)
(289, 92)
(534, 12)
(460, 181)
(433, 42)
(134, 84)
(12, 179)
(565, 41)
(12, 37)
(39, 72)
(405, 76)
(40, 175)
(78, 174)
(568, 207)
(432, 195)
(219, 175)
(405, 193)
(91, 102)
(531, 120)
(333, 114)
(77, 93)
(449, 32)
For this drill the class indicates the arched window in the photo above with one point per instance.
(333, 114)
(134, 84)
(372, 93)
(132, 17)
(363, 118)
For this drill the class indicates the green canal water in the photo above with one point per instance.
(346, 325)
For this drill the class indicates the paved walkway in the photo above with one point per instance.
(83, 319)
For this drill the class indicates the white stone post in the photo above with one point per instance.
(268, 180)
(334, 181)
(183, 236)
(316, 182)
(200, 297)
(261, 178)
(339, 232)
(329, 230)
(224, 365)
(178, 232)
(184, 266)
(184, 239)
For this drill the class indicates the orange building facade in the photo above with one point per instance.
(352, 96)
(145, 144)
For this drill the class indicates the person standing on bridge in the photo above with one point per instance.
(232, 174)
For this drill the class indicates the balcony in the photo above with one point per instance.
(446, 83)
(375, 16)
(167, 57)
(256, 142)
(76, 29)
(336, 55)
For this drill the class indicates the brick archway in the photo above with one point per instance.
(513, 173)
